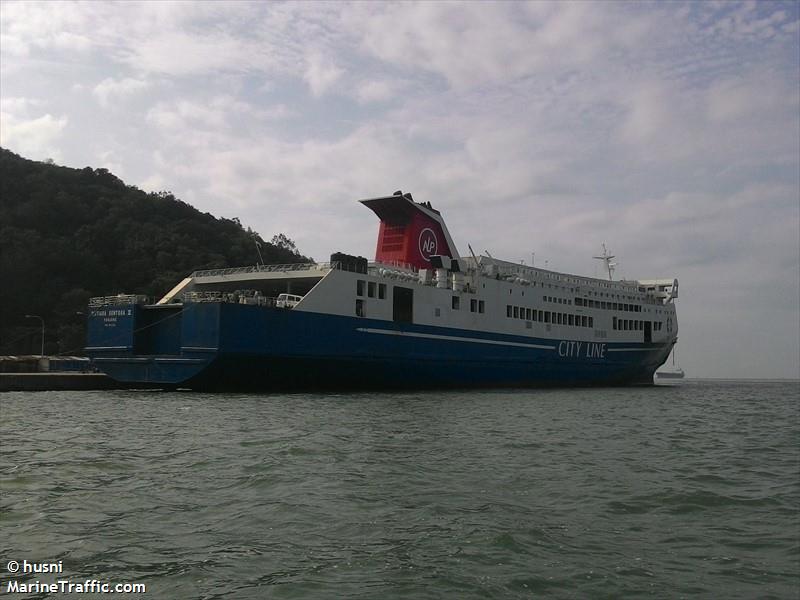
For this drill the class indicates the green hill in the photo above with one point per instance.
(69, 234)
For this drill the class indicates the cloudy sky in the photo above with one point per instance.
(669, 131)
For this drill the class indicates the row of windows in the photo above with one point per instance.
(584, 282)
(558, 300)
(633, 325)
(617, 296)
(372, 288)
(607, 305)
(475, 305)
(545, 316)
(378, 290)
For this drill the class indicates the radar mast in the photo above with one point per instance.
(606, 258)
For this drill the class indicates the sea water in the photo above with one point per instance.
(683, 490)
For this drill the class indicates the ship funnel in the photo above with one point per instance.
(410, 232)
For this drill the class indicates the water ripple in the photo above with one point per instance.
(663, 492)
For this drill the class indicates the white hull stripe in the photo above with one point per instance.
(629, 349)
(108, 348)
(452, 338)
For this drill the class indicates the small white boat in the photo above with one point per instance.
(670, 371)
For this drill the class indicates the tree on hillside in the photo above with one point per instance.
(69, 234)
(282, 241)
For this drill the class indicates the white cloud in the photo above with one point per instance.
(469, 45)
(34, 138)
(112, 90)
(109, 159)
(277, 112)
(218, 114)
(181, 53)
(750, 96)
(185, 116)
(153, 183)
(230, 105)
(17, 105)
(651, 113)
(749, 20)
(376, 91)
(29, 26)
(64, 40)
(321, 73)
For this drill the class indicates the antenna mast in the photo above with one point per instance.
(474, 258)
(258, 248)
(606, 258)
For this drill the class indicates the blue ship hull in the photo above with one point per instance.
(221, 346)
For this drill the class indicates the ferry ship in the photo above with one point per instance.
(419, 316)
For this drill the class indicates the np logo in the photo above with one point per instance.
(427, 243)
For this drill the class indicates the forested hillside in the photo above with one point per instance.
(69, 234)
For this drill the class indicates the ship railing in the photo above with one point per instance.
(395, 264)
(118, 300)
(238, 297)
(263, 269)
